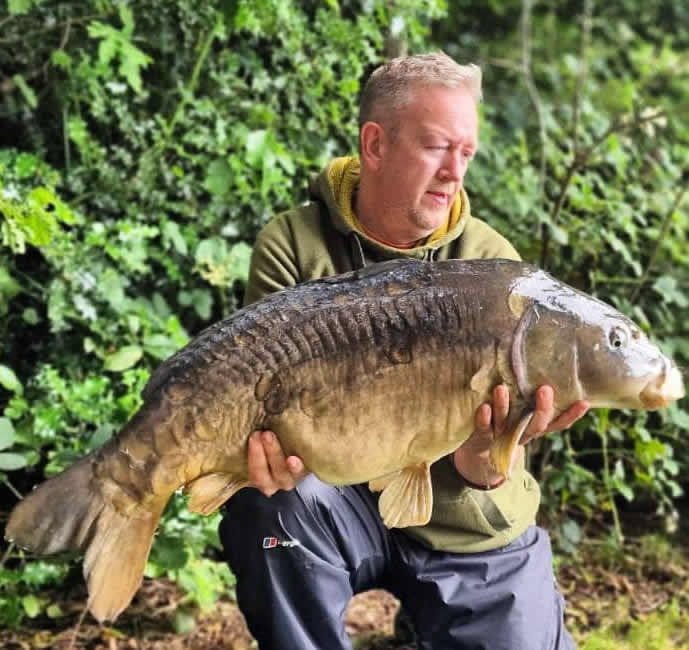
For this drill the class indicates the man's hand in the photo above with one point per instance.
(269, 469)
(472, 459)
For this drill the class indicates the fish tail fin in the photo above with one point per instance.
(76, 512)
(59, 514)
(116, 558)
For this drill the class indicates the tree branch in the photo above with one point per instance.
(49, 28)
(9, 85)
(581, 157)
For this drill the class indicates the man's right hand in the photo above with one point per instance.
(269, 469)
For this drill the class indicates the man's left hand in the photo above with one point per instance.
(472, 460)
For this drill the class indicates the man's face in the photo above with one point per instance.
(424, 162)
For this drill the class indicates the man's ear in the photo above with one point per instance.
(372, 141)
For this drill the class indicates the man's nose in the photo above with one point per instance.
(454, 166)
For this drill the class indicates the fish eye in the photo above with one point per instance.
(618, 337)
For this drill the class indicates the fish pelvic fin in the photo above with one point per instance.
(75, 511)
(209, 492)
(380, 483)
(407, 499)
(505, 446)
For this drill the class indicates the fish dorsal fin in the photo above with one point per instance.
(503, 449)
(407, 499)
(209, 492)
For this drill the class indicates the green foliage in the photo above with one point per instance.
(118, 44)
(18, 589)
(662, 630)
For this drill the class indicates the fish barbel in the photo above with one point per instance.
(369, 376)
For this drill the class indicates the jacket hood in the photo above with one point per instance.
(336, 185)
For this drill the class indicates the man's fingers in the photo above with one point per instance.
(258, 469)
(277, 461)
(501, 407)
(570, 416)
(296, 468)
(482, 418)
(543, 414)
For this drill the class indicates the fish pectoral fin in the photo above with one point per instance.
(380, 483)
(484, 378)
(505, 446)
(209, 492)
(407, 499)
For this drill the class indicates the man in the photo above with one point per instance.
(479, 574)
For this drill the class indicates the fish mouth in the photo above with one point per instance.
(664, 390)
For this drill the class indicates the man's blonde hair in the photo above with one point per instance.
(389, 87)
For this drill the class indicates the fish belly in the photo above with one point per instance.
(352, 424)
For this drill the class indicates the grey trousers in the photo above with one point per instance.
(299, 556)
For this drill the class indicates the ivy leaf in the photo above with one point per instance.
(228, 9)
(19, 6)
(256, 144)
(9, 380)
(173, 235)
(9, 287)
(572, 531)
(200, 299)
(665, 284)
(76, 129)
(7, 436)
(26, 90)
(124, 358)
(109, 45)
(170, 552)
(183, 622)
(61, 59)
(54, 611)
(203, 303)
(238, 262)
(218, 177)
(10, 462)
(160, 346)
(31, 605)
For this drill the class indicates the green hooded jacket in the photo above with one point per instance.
(317, 240)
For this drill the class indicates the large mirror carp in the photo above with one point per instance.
(367, 376)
